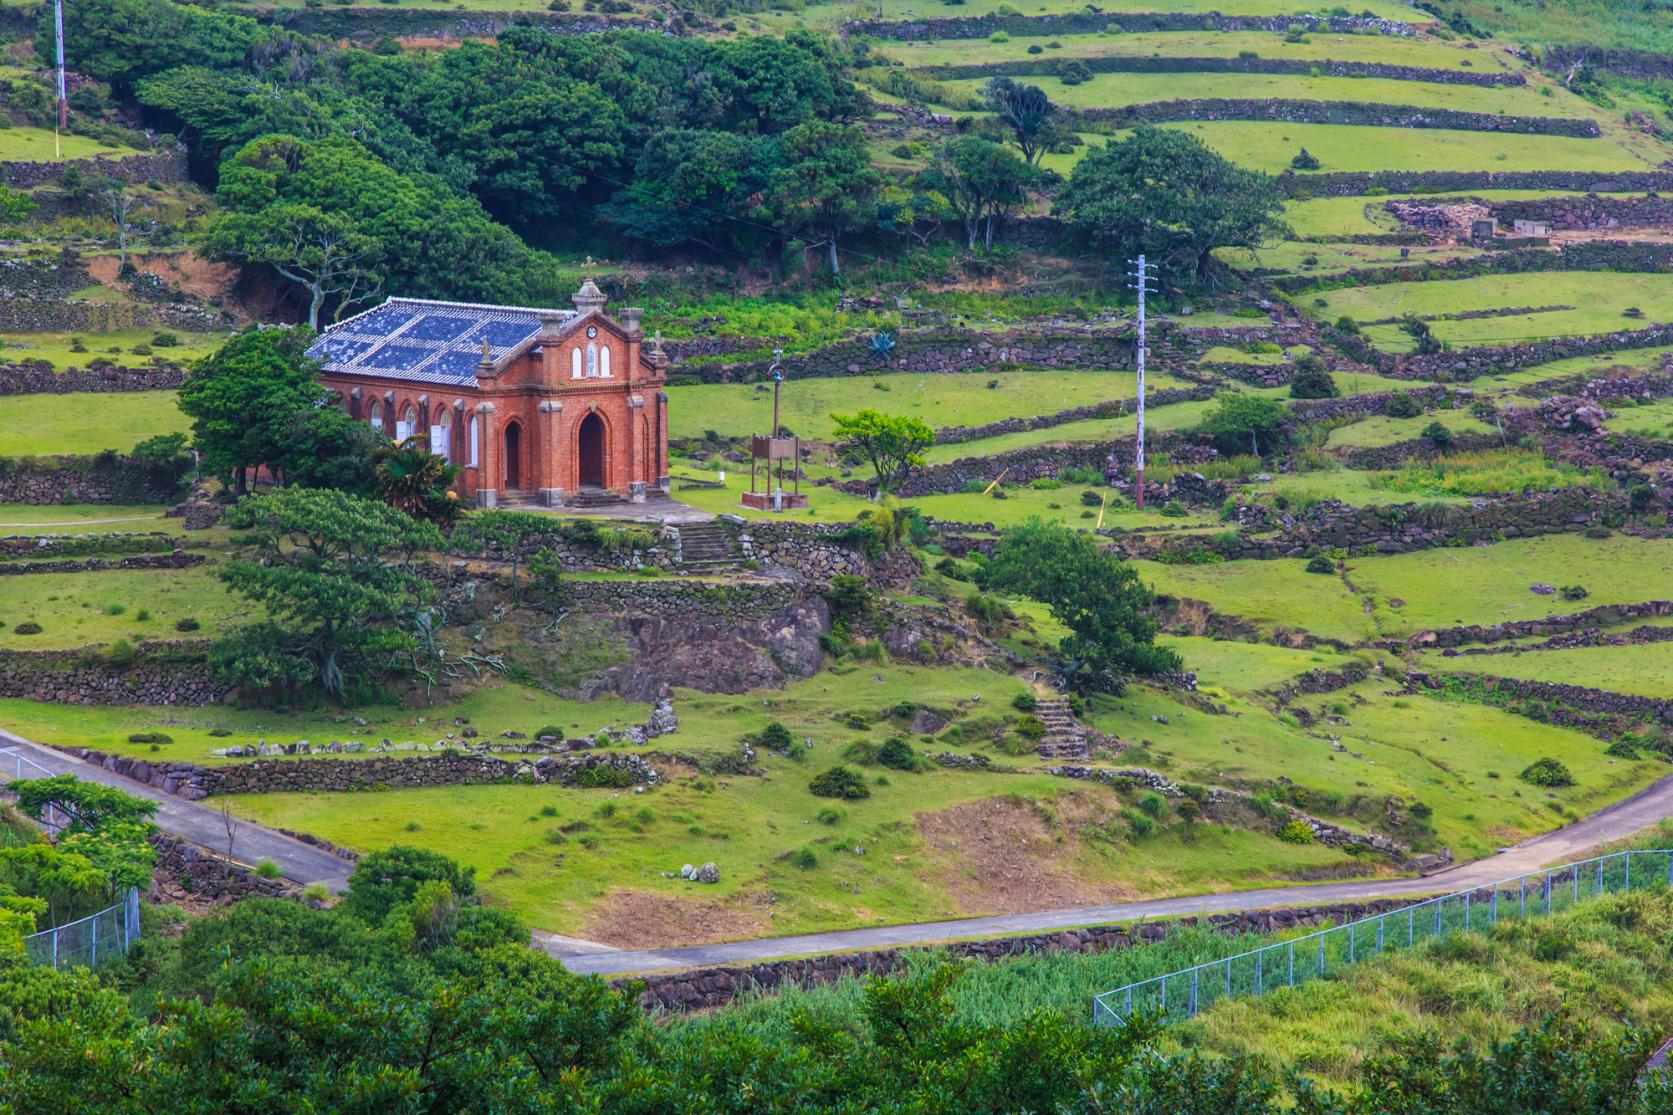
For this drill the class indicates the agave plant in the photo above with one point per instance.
(417, 481)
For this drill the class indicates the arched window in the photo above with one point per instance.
(575, 362)
(592, 361)
(407, 424)
(441, 434)
(604, 362)
(473, 440)
(374, 415)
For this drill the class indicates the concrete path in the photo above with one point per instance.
(1620, 820)
(301, 863)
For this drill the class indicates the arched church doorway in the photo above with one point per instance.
(590, 441)
(513, 456)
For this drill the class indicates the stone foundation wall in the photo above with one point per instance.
(708, 988)
(682, 600)
(35, 377)
(815, 553)
(1376, 457)
(1361, 113)
(1573, 214)
(270, 776)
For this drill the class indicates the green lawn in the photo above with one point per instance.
(493, 707)
(1022, 504)
(75, 609)
(1248, 667)
(1382, 430)
(826, 15)
(84, 518)
(1645, 669)
(1599, 303)
(1358, 487)
(116, 345)
(1387, 49)
(1271, 594)
(1311, 258)
(53, 425)
(37, 145)
(1116, 90)
(959, 399)
(1490, 584)
(1652, 420)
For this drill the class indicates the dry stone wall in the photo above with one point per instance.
(1141, 64)
(36, 377)
(155, 166)
(371, 23)
(1349, 183)
(107, 478)
(203, 874)
(1362, 113)
(81, 678)
(1606, 615)
(1094, 22)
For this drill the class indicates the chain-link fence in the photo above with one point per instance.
(91, 941)
(1184, 993)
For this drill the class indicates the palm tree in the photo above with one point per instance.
(413, 479)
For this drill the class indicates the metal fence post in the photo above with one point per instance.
(95, 962)
(1626, 879)
(1321, 956)
(1466, 911)
(1193, 992)
(1411, 926)
(1350, 942)
(1548, 892)
(1292, 963)
(1522, 897)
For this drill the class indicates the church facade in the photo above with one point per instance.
(555, 407)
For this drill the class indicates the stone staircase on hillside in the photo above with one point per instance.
(1064, 738)
(707, 545)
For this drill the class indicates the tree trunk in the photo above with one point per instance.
(988, 240)
(830, 245)
(970, 232)
(316, 289)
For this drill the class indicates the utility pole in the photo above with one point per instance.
(63, 99)
(1141, 283)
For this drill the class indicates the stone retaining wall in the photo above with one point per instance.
(372, 23)
(79, 678)
(1141, 64)
(1604, 616)
(677, 600)
(708, 988)
(36, 377)
(1643, 64)
(1587, 212)
(79, 545)
(1562, 701)
(207, 875)
(1349, 183)
(950, 435)
(1096, 22)
(270, 776)
(1597, 255)
(815, 552)
(937, 350)
(1397, 528)
(154, 166)
(1373, 458)
(1360, 113)
(177, 559)
(107, 478)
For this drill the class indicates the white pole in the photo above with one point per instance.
(63, 97)
(1138, 461)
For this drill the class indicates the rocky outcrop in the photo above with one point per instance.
(716, 651)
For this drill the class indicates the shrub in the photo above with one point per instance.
(1547, 772)
(27, 627)
(1573, 592)
(1402, 405)
(1073, 72)
(805, 858)
(999, 37)
(1091, 498)
(1295, 832)
(1311, 379)
(165, 340)
(897, 754)
(1321, 564)
(848, 593)
(549, 731)
(1031, 728)
(1437, 434)
(1304, 160)
(187, 624)
(268, 869)
(1173, 509)
(1346, 324)
(831, 815)
(1036, 48)
(1024, 702)
(839, 782)
(601, 775)
(1046, 484)
(775, 737)
(150, 737)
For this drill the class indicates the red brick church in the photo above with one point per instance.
(563, 407)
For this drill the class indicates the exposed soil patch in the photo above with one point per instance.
(636, 919)
(182, 270)
(1003, 856)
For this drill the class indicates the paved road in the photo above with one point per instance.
(1620, 820)
(301, 863)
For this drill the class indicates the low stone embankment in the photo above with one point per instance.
(708, 988)
(1352, 183)
(1142, 64)
(1607, 615)
(178, 559)
(171, 675)
(210, 877)
(1093, 22)
(1114, 408)
(137, 169)
(1573, 705)
(194, 782)
(106, 478)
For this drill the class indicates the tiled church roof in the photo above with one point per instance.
(422, 341)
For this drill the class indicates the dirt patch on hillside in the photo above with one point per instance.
(637, 919)
(1006, 855)
(183, 270)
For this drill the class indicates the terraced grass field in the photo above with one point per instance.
(1395, 50)
(38, 145)
(1644, 669)
(117, 345)
(45, 425)
(1599, 306)
(96, 609)
(1382, 430)
(1355, 215)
